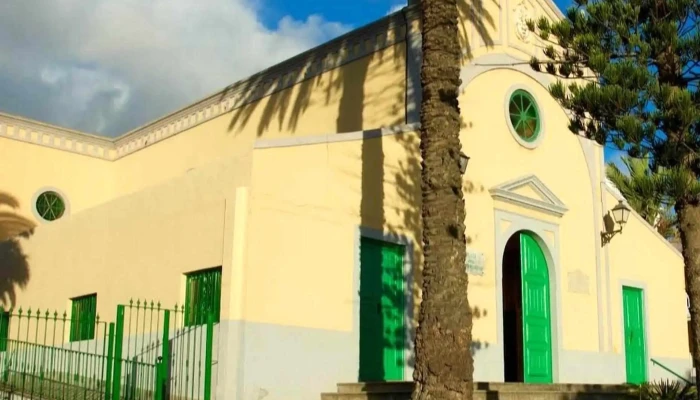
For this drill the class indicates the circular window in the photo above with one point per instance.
(50, 206)
(524, 116)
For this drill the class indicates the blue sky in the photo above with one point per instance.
(356, 13)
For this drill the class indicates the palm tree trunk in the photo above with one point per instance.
(689, 227)
(444, 365)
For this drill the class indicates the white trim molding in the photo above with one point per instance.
(335, 137)
(494, 61)
(549, 203)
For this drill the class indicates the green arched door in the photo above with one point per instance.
(537, 318)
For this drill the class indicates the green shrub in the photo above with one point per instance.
(667, 390)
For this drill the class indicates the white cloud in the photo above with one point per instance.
(107, 66)
(396, 7)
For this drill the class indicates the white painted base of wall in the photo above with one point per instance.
(263, 361)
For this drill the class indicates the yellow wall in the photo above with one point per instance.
(137, 246)
(304, 221)
(638, 256)
(86, 181)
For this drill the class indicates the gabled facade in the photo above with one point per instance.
(302, 184)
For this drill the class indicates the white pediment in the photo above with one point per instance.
(529, 192)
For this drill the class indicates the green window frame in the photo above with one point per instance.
(524, 115)
(4, 329)
(50, 205)
(83, 318)
(202, 295)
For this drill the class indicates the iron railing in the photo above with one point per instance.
(157, 356)
(148, 354)
(39, 360)
(670, 371)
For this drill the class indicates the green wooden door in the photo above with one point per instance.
(382, 335)
(635, 348)
(537, 323)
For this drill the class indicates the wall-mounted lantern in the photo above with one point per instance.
(463, 162)
(620, 215)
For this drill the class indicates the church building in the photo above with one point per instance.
(296, 193)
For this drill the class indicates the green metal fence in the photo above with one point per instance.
(39, 361)
(148, 354)
(157, 356)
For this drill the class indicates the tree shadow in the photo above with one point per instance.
(473, 12)
(288, 86)
(14, 266)
(288, 89)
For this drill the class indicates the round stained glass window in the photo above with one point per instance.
(524, 115)
(50, 206)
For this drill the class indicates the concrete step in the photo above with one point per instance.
(488, 395)
(366, 396)
(376, 387)
(484, 391)
(407, 387)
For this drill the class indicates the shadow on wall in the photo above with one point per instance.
(473, 12)
(285, 108)
(14, 267)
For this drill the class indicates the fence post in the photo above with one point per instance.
(118, 342)
(110, 361)
(164, 364)
(208, 355)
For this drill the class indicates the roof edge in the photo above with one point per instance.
(313, 62)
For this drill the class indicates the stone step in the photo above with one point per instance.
(407, 387)
(376, 387)
(488, 395)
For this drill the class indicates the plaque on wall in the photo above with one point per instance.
(475, 263)
(578, 282)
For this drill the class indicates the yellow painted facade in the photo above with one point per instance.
(276, 178)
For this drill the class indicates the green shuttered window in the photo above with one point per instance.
(203, 295)
(83, 318)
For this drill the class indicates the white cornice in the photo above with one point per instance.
(356, 44)
(549, 202)
(29, 131)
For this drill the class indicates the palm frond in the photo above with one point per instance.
(643, 189)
